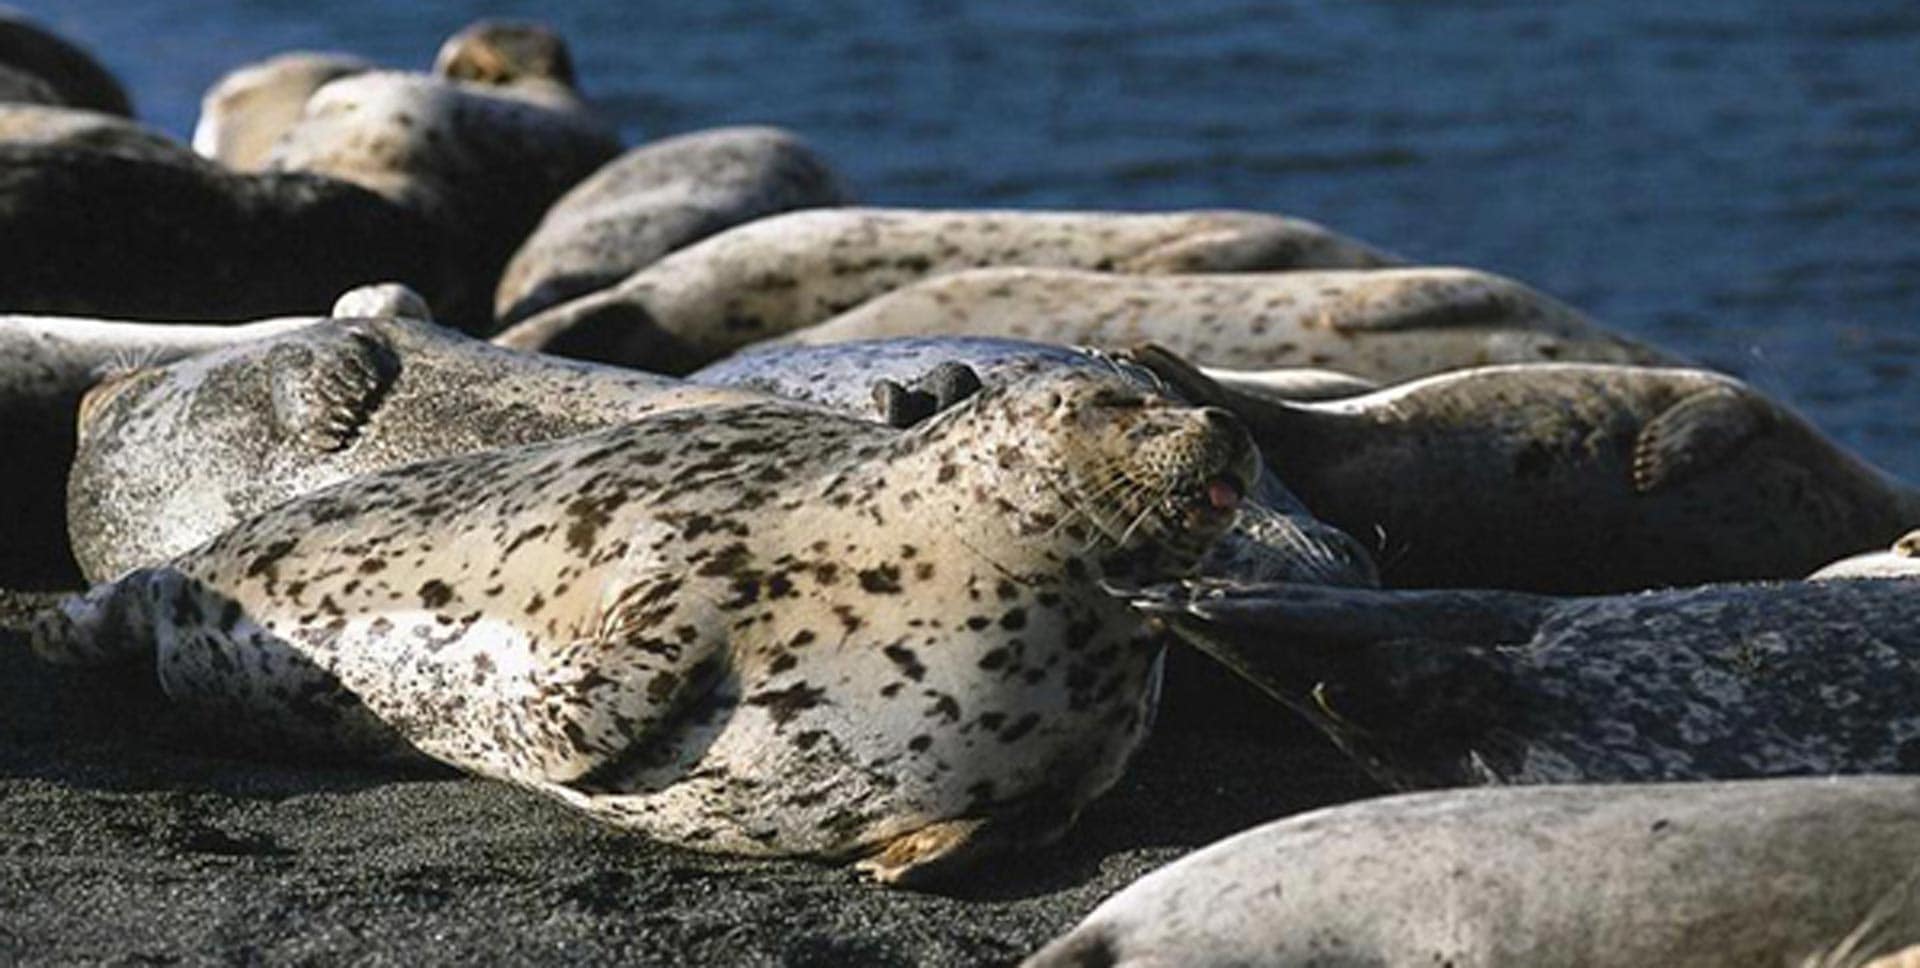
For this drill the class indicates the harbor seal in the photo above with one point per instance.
(1773, 872)
(1388, 324)
(654, 199)
(757, 628)
(480, 163)
(1900, 561)
(249, 108)
(170, 456)
(41, 124)
(1452, 687)
(782, 273)
(38, 66)
(102, 232)
(1575, 478)
(47, 363)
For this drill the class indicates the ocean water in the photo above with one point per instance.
(1737, 180)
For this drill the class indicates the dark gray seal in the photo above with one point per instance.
(38, 66)
(481, 161)
(786, 272)
(1385, 324)
(47, 363)
(137, 235)
(654, 199)
(1452, 687)
(249, 108)
(756, 628)
(1571, 478)
(1813, 873)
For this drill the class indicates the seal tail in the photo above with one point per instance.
(1887, 937)
(106, 625)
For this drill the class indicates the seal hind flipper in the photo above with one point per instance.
(1693, 435)
(325, 390)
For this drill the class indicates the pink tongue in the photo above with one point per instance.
(1222, 494)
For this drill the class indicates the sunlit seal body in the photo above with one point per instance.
(481, 163)
(654, 199)
(1452, 686)
(249, 108)
(760, 628)
(105, 232)
(1379, 324)
(46, 364)
(782, 273)
(1572, 478)
(1275, 537)
(1806, 873)
(170, 456)
(38, 66)
(38, 124)
(1900, 561)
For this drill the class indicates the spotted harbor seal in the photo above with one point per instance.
(779, 274)
(170, 456)
(1450, 687)
(482, 163)
(101, 232)
(1380, 324)
(1815, 873)
(655, 199)
(1570, 477)
(1900, 561)
(46, 365)
(248, 109)
(38, 66)
(759, 628)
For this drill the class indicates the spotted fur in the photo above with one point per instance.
(1449, 687)
(753, 628)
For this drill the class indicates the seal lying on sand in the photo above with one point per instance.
(1452, 687)
(779, 274)
(102, 232)
(46, 364)
(479, 161)
(1570, 477)
(654, 199)
(170, 457)
(1379, 324)
(38, 66)
(1701, 874)
(1900, 561)
(759, 628)
(249, 108)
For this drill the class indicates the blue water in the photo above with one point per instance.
(1738, 180)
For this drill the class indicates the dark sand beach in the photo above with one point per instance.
(128, 837)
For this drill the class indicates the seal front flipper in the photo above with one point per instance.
(903, 406)
(1692, 436)
(326, 387)
(1413, 684)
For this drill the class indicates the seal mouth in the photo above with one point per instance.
(1215, 500)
